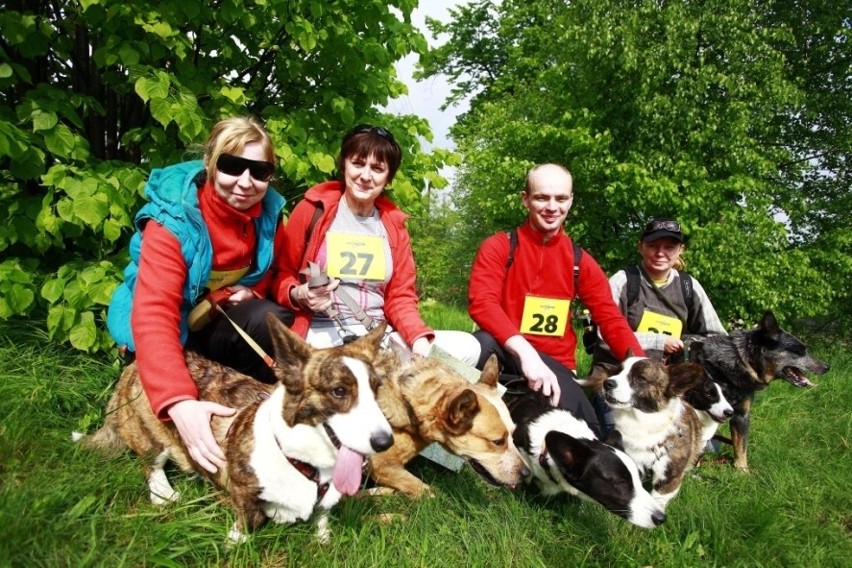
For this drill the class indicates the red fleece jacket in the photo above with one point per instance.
(400, 294)
(542, 268)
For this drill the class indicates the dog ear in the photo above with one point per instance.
(768, 326)
(373, 340)
(684, 377)
(600, 372)
(460, 412)
(291, 353)
(490, 372)
(615, 440)
(570, 454)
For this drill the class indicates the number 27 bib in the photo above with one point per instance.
(545, 316)
(356, 257)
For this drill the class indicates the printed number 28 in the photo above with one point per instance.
(546, 324)
(350, 269)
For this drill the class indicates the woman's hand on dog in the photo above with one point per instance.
(192, 419)
(672, 345)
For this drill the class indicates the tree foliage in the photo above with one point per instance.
(731, 115)
(95, 93)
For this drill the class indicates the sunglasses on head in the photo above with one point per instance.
(235, 166)
(384, 133)
(655, 225)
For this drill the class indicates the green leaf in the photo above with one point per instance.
(84, 334)
(52, 290)
(60, 141)
(44, 121)
(90, 210)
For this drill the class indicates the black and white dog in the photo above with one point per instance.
(565, 456)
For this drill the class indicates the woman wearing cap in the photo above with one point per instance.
(209, 225)
(350, 231)
(653, 296)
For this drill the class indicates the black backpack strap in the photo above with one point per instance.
(513, 244)
(313, 223)
(633, 283)
(578, 254)
(688, 297)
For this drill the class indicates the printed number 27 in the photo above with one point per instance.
(350, 269)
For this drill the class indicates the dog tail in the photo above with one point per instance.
(105, 440)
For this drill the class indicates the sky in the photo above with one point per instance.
(425, 97)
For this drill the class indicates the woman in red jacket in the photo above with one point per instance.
(355, 234)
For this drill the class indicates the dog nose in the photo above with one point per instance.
(728, 412)
(525, 472)
(381, 441)
(658, 518)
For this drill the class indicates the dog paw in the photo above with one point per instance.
(323, 533)
(236, 536)
(164, 498)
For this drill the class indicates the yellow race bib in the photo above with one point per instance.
(653, 322)
(356, 257)
(545, 316)
(221, 278)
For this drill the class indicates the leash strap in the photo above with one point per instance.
(317, 277)
(248, 339)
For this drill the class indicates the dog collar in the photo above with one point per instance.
(311, 472)
(306, 469)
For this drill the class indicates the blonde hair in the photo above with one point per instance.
(231, 136)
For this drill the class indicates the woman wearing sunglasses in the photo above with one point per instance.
(349, 230)
(208, 230)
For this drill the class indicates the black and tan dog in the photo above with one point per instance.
(291, 448)
(426, 401)
(747, 361)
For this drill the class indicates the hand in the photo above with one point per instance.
(672, 345)
(192, 419)
(240, 293)
(540, 377)
(421, 347)
(316, 299)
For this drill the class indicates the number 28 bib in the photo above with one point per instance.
(545, 316)
(355, 257)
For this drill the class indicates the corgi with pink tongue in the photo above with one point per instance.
(293, 448)
(324, 421)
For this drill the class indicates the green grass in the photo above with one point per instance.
(61, 506)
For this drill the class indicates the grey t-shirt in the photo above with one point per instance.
(369, 294)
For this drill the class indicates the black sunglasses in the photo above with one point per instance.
(235, 166)
(655, 225)
(383, 132)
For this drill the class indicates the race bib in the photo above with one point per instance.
(221, 278)
(355, 257)
(657, 323)
(545, 316)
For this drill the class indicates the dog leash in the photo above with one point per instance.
(248, 339)
(318, 277)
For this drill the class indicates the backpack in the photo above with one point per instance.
(578, 253)
(634, 280)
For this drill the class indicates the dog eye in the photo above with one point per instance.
(501, 442)
(339, 392)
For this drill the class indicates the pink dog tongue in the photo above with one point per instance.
(347, 471)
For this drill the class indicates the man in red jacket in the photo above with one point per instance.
(523, 307)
